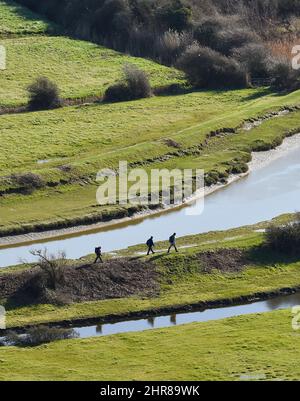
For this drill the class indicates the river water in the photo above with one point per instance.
(281, 302)
(265, 193)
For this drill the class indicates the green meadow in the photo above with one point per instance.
(254, 347)
(16, 20)
(80, 69)
(68, 146)
(89, 138)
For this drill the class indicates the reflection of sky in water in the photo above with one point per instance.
(193, 317)
(264, 194)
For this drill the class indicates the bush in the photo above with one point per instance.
(232, 38)
(223, 33)
(111, 22)
(206, 68)
(117, 93)
(174, 16)
(39, 335)
(28, 181)
(53, 266)
(255, 59)
(43, 95)
(285, 239)
(134, 85)
(137, 82)
(284, 77)
(169, 46)
(207, 30)
(289, 6)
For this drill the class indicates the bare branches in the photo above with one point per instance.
(52, 265)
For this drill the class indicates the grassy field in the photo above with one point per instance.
(93, 137)
(181, 280)
(67, 147)
(81, 69)
(254, 347)
(16, 20)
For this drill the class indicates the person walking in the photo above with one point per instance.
(98, 252)
(172, 241)
(150, 245)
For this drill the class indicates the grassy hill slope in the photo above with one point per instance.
(16, 20)
(80, 69)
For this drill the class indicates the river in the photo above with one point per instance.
(266, 192)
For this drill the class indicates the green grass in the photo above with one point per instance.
(250, 347)
(93, 137)
(80, 69)
(181, 280)
(16, 20)
(89, 138)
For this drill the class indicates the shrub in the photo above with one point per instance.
(39, 335)
(111, 22)
(207, 30)
(137, 82)
(53, 266)
(284, 77)
(28, 181)
(289, 6)
(255, 59)
(174, 16)
(43, 95)
(117, 93)
(232, 38)
(169, 46)
(285, 238)
(134, 85)
(206, 68)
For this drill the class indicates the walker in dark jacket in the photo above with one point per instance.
(172, 241)
(150, 245)
(98, 252)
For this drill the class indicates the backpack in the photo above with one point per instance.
(97, 251)
(149, 242)
(171, 239)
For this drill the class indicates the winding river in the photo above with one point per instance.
(268, 191)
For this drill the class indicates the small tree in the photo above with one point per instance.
(285, 238)
(53, 266)
(134, 85)
(43, 95)
(206, 68)
(137, 82)
(28, 181)
(284, 77)
(255, 58)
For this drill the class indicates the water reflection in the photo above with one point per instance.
(173, 319)
(281, 302)
(151, 321)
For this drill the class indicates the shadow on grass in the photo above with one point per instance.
(263, 255)
(30, 15)
(257, 95)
